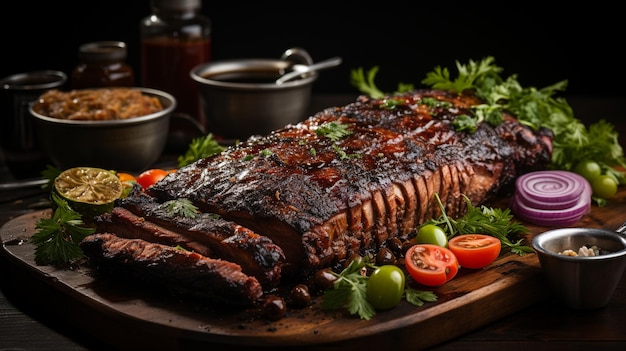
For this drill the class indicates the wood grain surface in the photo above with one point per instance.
(143, 317)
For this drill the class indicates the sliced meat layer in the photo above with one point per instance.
(172, 269)
(140, 216)
(126, 224)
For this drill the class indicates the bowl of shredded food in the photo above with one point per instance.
(583, 266)
(112, 128)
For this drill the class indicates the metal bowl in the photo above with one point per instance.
(582, 282)
(132, 144)
(240, 97)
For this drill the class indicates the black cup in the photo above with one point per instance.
(21, 155)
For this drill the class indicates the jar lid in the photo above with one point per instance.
(103, 51)
(177, 5)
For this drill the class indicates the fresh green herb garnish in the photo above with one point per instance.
(51, 173)
(432, 102)
(333, 130)
(57, 238)
(199, 148)
(391, 103)
(470, 76)
(367, 86)
(419, 297)
(537, 108)
(262, 153)
(266, 152)
(350, 291)
(181, 207)
(496, 222)
(342, 154)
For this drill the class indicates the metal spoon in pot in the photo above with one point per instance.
(299, 69)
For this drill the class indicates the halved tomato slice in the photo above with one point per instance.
(475, 250)
(431, 265)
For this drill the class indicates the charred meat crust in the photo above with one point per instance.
(140, 216)
(322, 200)
(172, 269)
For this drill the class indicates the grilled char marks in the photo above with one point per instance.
(127, 225)
(322, 199)
(140, 216)
(175, 270)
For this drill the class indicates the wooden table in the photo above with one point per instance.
(35, 325)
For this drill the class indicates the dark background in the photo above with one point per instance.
(405, 39)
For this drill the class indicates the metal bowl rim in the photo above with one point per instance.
(539, 240)
(117, 122)
(233, 65)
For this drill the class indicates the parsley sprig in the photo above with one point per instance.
(199, 148)
(350, 291)
(57, 238)
(334, 131)
(496, 222)
(181, 207)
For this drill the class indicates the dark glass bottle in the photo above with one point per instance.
(102, 64)
(175, 38)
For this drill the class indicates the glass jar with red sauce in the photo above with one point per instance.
(102, 64)
(175, 38)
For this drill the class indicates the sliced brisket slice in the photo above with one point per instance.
(126, 224)
(257, 255)
(175, 270)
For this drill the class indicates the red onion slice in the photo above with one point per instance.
(551, 198)
(550, 189)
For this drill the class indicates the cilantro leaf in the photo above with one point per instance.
(350, 291)
(181, 207)
(365, 83)
(469, 75)
(199, 148)
(333, 130)
(57, 238)
(419, 297)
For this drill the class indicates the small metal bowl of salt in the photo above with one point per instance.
(583, 266)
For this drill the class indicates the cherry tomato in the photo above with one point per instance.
(385, 287)
(589, 169)
(147, 178)
(475, 250)
(126, 177)
(431, 265)
(431, 234)
(604, 186)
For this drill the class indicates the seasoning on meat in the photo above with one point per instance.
(313, 194)
(323, 199)
(97, 104)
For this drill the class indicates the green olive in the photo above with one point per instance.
(589, 169)
(431, 234)
(604, 186)
(385, 287)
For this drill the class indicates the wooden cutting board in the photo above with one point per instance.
(132, 316)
